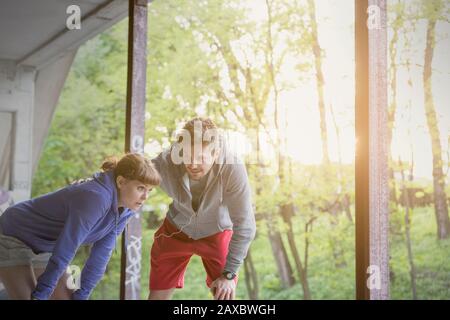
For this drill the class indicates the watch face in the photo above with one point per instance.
(229, 275)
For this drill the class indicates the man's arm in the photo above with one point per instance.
(161, 165)
(238, 199)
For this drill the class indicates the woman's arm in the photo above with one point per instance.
(84, 210)
(96, 264)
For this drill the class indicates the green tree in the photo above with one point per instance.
(434, 11)
(88, 124)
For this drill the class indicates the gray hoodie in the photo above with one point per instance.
(226, 204)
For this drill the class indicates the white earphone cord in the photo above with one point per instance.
(174, 233)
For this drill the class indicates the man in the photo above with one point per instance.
(211, 214)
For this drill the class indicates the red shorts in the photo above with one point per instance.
(170, 256)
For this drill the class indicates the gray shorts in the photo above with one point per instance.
(14, 252)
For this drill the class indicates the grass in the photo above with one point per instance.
(431, 258)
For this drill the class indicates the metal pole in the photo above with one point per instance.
(371, 166)
(378, 152)
(362, 149)
(134, 141)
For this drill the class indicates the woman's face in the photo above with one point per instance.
(132, 193)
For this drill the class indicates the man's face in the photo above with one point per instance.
(202, 160)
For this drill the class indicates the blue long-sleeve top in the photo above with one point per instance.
(61, 221)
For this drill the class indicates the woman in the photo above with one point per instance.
(39, 237)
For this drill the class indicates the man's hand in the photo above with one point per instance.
(223, 289)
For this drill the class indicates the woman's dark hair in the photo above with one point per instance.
(133, 166)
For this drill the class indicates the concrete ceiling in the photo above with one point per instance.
(34, 32)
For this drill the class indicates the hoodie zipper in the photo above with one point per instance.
(216, 180)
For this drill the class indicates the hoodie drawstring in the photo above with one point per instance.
(221, 188)
(115, 231)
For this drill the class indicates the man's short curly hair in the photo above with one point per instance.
(192, 126)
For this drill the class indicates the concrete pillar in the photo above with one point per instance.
(28, 98)
(16, 109)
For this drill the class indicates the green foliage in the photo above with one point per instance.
(431, 258)
(89, 123)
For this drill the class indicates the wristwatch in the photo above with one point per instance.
(229, 275)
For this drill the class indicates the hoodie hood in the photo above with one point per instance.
(107, 180)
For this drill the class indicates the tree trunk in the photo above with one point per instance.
(251, 278)
(320, 82)
(345, 202)
(440, 199)
(278, 139)
(336, 245)
(286, 213)
(396, 25)
(276, 241)
(282, 262)
(308, 231)
(408, 210)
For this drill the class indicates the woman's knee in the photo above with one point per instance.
(62, 290)
(19, 282)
